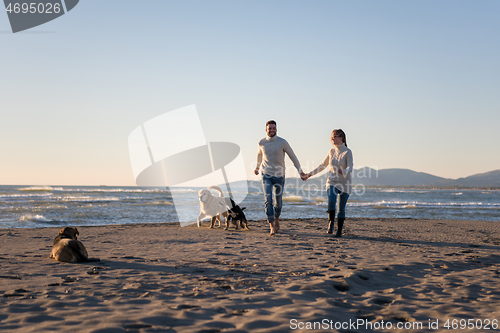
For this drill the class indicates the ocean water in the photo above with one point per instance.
(47, 206)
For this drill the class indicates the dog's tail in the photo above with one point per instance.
(78, 253)
(217, 188)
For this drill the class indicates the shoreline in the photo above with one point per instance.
(161, 278)
(262, 221)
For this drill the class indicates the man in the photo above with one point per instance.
(271, 155)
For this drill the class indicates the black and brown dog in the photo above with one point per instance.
(67, 248)
(235, 214)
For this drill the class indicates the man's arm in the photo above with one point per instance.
(289, 151)
(259, 161)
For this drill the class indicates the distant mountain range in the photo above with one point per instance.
(405, 178)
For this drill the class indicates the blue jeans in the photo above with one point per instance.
(268, 184)
(332, 193)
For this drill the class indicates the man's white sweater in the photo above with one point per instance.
(271, 155)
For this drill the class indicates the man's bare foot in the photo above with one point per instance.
(271, 227)
(276, 224)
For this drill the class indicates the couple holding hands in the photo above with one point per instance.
(271, 164)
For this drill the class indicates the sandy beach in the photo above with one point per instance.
(164, 278)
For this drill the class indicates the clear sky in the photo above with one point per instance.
(414, 84)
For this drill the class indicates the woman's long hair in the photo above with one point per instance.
(341, 134)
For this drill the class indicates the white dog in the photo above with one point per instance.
(212, 206)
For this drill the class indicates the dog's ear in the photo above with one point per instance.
(63, 230)
(76, 232)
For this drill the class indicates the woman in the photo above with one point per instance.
(339, 161)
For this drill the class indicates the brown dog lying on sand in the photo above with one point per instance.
(67, 248)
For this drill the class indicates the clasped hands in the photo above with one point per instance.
(305, 176)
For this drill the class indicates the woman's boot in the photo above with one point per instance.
(340, 224)
(331, 221)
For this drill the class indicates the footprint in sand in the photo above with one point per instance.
(15, 293)
(341, 285)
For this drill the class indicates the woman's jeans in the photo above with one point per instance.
(332, 193)
(268, 184)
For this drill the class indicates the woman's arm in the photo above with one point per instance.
(350, 164)
(321, 167)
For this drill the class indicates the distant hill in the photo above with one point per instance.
(401, 178)
(487, 179)
(406, 177)
(394, 177)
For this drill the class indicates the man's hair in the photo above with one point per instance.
(271, 122)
